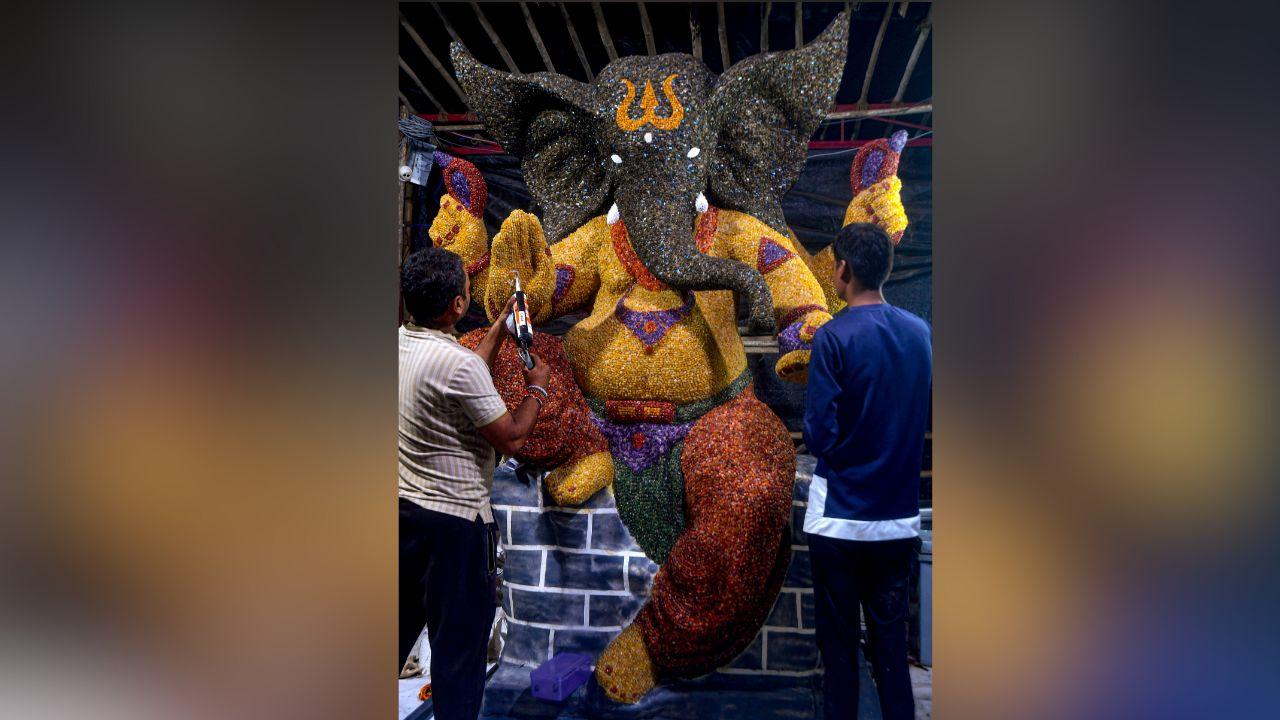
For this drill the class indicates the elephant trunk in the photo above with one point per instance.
(663, 240)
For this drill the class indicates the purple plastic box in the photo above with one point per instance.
(557, 678)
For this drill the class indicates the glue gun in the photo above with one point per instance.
(522, 327)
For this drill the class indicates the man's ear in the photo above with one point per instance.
(543, 119)
(768, 107)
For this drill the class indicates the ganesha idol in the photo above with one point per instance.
(660, 184)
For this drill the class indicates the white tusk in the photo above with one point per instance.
(614, 215)
(693, 153)
(648, 137)
(701, 203)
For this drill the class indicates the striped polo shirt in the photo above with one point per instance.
(446, 392)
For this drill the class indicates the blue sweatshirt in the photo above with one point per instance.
(870, 380)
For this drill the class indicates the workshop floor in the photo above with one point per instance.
(921, 683)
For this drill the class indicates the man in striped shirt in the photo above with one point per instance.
(451, 421)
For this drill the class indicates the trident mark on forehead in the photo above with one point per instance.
(649, 103)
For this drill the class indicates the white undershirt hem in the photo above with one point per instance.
(841, 529)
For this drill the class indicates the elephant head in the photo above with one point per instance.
(653, 138)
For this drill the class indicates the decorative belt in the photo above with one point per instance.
(666, 413)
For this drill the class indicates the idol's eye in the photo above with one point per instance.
(617, 159)
(693, 153)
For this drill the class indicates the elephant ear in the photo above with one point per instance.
(542, 119)
(768, 107)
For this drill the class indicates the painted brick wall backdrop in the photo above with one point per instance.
(573, 578)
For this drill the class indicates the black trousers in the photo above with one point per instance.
(876, 576)
(445, 583)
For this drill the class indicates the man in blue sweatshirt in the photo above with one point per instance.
(870, 380)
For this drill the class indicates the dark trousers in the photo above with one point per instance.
(445, 584)
(876, 576)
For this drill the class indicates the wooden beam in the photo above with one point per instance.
(414, 77)
(493, 36)
(925, 27)
(799, 24)
(604, 31)
(764, 26)
(881, 112)
(435, 62)
(445, 21)
(695, 32)
(648, 30)
(405, 101)
(577, 45)
(463, 126)
(537, 38)
(724, 39)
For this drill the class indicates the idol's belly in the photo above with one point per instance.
(693, 360)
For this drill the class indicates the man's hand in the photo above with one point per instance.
(492, 341)
(500, 325)
(538, 374)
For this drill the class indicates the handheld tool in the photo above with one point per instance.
(523, 325)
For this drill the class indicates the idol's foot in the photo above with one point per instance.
(624, 670)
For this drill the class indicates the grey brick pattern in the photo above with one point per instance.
(786, 611)
(574, 576)
(791, 651)
(582, 571)
(522, 567)
(640, 572)
(613, 610)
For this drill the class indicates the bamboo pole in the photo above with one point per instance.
(537, 37)
(603, 27)
(725, 60)
(871, 64)
(577, 44)
(414, 77)
(435, 62)
(493, 37)
(648, 30)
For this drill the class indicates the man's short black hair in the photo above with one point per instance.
(429, 280)
(868, 251)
